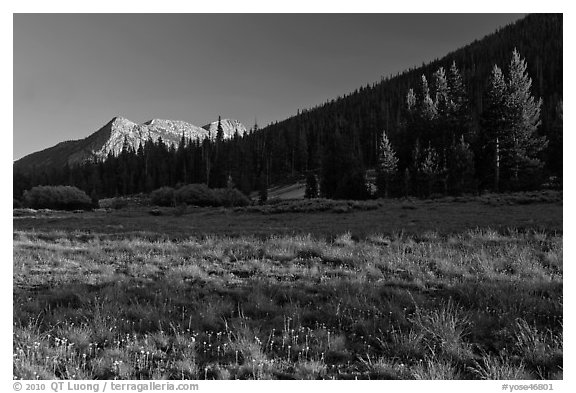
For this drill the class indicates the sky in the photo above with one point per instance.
(74, 72)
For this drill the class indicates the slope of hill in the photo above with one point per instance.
(369, 110)
(112, 137)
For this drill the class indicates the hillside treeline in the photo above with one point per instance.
(451, 126)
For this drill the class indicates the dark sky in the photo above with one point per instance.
(74, 72)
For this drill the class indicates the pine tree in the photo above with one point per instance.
(521, 144)
(407, 183)
(457, 115)
(386, 167)
(207, 159)
(410, 100)
(430, 167)
(442, 91)
(219, 131)
(458, 100)
(428, 108)
(311, 186)
(413, 169)
(460, 167)
(494, 120)
(262, 189)
(511, 121)
(342, 173)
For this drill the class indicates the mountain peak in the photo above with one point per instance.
(112, 137)
(229, 126)
(120, 119)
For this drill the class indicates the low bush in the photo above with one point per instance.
(57, 197)
(162, 197)
(119, 203)
(201, 195)
(230, 197)
(195, 194)
(16, 204)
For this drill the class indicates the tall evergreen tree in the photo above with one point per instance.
(511, 121)
(387, 166)
(311, 190)
(494, 122)
(219, 131)
(522, 144)
(442, 91)
(262, 188)
(410, 100)
(460, 168)
(428, 108)
(429, 167)
(458, 99)
(342, 173)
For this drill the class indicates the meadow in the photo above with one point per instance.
(454, 288)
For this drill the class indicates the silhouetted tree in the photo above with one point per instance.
(311, 190)
(262, 188)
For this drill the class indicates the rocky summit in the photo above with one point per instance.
(118, 131)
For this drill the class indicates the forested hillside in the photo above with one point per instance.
(453, 149)
(365, 113)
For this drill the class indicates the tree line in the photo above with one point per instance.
(460, 124)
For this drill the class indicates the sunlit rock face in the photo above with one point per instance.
(119, 131)
(229, 126)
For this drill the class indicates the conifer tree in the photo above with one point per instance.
(407, 183)
(428, 108)
(511, 121)
(429, 167)
(521, 144)
(262, 188)
(311, 186)
(494, 120)
(458, 100)
(410, 100)
(442, 91)
(386, 167)
(460, 167)
(219, 132)
(457, 115)
(342, 173)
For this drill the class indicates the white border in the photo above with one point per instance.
(294, 6)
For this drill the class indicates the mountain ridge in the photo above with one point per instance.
(111, 137)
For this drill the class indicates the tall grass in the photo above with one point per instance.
(479, 304)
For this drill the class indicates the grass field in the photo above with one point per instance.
(447, 289)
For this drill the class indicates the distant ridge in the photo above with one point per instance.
(112, 136)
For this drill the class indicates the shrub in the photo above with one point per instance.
(231, 197)
(16, 204)
(163, 196)
(201, 195)
(196, 194)
(57, 197)
(119, 203)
